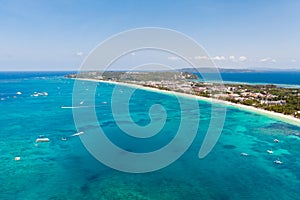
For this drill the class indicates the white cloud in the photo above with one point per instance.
(293, 60)
(267, 59)
(79, 53)
(264, 59)
(133, 54)
(201, 58)
(173, 58)
(242, 58)
(231, 57)
(219, 58)
(222, 58)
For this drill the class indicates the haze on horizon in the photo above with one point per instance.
(57, 35)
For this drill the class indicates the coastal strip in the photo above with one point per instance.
(278, 116)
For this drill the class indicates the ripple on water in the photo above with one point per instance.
(229, 146)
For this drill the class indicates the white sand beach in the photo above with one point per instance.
(278, 116)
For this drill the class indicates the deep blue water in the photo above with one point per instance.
(30, 74)
(65, 169)
(283, 78)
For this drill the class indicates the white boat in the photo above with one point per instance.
(19, 93)
(42, 140)
(36, 94)
(276, 140)
(270, 151)
(77, 134)
(17, 158)
(244, 154)
(278, 162)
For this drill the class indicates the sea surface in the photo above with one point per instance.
(64, 169)
(281, 78)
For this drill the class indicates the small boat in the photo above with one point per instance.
(244, 154)
(63, 138)
(17, 158)
(77, 134)
(276, 140)
(42, 140)
(82, 102)
(19, 93)
(36, 94)
(278, 162)
(270, 151)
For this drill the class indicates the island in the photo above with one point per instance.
(266, 97)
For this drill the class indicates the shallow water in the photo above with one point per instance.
(65, 170)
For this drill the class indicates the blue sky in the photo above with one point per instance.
(58, 34)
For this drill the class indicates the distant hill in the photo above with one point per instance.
(206, 69)
(231, 70)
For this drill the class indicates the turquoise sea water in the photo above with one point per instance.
(65, 170)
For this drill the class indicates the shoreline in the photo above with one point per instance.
(278, 116)
(259, 83)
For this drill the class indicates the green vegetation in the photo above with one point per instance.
(268, 97)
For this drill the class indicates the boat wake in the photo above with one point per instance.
(70, 107)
